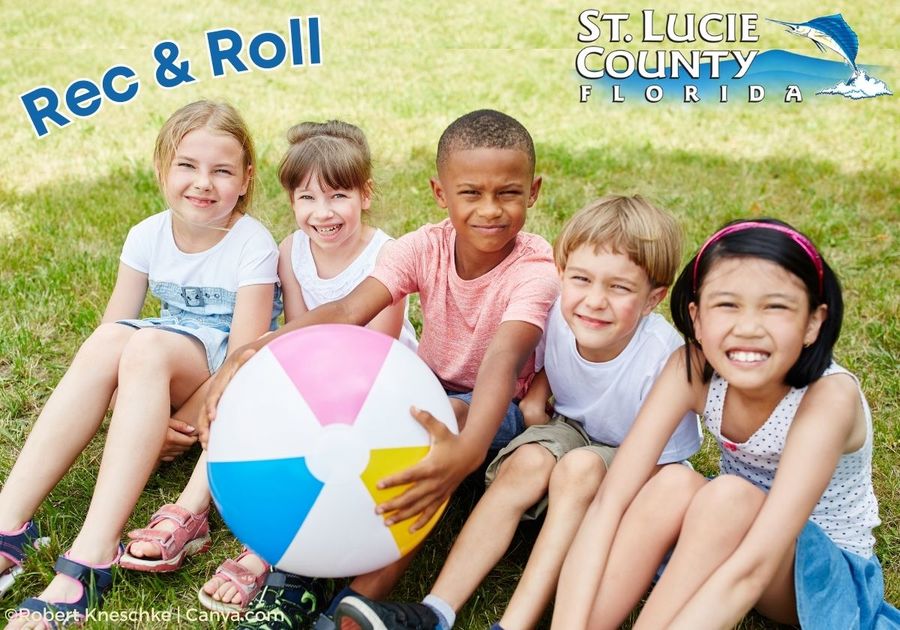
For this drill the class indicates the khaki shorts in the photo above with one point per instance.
(559, 436)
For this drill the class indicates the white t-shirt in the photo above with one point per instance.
(201, 288)
(606, 397)
(317, 291)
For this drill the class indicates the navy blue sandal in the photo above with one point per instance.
(12, 547)
(95, 582)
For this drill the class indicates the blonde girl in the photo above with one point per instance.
(214, 270)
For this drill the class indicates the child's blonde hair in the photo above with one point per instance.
(633, 226)
(335, 152)
(218, 117)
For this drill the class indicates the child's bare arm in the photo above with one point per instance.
(294, 306)
(252, 314)
(390, 320)
(535, 404)
(359, 308)
(453, 457)
(819, 434)
(128, 295)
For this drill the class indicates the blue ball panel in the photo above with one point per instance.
(264, 502)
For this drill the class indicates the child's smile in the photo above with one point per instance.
(604, 296)
(486, 192)
(329, 216)
(206, 177)
(200, 202)
(753, 321)
(746, 356)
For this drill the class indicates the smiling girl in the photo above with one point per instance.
(213, 268)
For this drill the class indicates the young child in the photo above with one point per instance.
(327, 174)
(787, 527)
(215, 270)
(485, 289)
(603, 349)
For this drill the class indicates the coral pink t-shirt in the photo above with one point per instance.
(460, 317)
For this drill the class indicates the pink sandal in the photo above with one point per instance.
(190, 537)
(247, 583)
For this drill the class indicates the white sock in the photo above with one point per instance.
(442, 608)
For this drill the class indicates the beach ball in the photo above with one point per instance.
(302, 435)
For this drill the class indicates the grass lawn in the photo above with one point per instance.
(403, 71)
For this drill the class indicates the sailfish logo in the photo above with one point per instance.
(831, 32)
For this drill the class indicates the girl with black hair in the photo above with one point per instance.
(786, 528)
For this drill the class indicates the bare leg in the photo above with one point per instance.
(156, 369)
(649, 529)
(573, 484)
(521, 482)
(195, 497)
(378, 584)
(67, 423)
(716, 521)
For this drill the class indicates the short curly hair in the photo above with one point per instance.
(484, 128)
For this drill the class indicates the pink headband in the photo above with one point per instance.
(804, 243)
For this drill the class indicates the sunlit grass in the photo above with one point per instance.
(403, 72)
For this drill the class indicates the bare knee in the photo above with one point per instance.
(107, 341)
(526, 473)
(674, 484)
(577, 476)
(728, 505)
(666, 495)
(146, 352)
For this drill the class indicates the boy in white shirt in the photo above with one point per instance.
(603, 348)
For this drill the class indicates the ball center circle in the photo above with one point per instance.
(339, 454)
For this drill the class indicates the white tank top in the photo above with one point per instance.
(847, 511)
(317, 291)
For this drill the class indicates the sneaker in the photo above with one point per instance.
(372, 615)
(286, 602)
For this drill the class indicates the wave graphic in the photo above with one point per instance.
(775, 70)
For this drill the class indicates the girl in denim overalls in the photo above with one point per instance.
(214, 270)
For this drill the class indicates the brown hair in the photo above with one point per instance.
(218, 117)
(650, 237)
(335, 152)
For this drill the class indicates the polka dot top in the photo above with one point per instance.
(847, 510)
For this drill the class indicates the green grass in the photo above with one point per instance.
(403, 72)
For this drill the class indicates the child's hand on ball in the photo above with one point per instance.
(433, 479)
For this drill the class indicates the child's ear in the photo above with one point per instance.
(814, 325)
(535, 189)
(694, 312)
(653, 299)
(247, 177)
(438, 191)
(366, 194)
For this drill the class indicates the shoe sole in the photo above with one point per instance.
(9, 578)
(191, 548)
(206, 600)
(357, 611)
